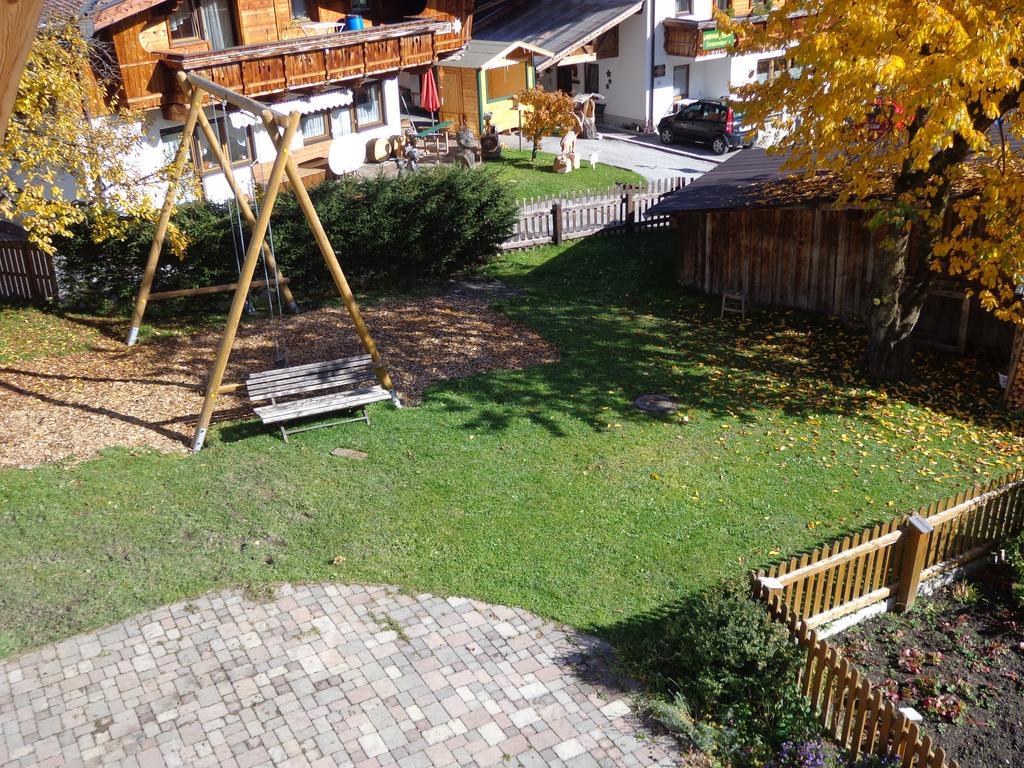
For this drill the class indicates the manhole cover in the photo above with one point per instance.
(661, 404)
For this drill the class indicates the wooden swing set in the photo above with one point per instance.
(300, 382)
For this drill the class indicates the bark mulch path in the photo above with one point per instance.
(148, 396)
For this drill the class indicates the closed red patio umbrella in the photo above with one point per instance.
(429, 98)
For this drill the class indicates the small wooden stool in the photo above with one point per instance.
(734, 303)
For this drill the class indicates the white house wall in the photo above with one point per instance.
(152, 153)
(625, 81)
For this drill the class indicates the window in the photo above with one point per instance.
(343, 122)
(723, 5)
(715, 113)
(769, 69)
(369, 106)
(170, 140)
(210, 20)
(592, 78)
(184, 22)
(300, 9)
(681, 82)
(360, 5)
(235, 144)
(315, 126)
(684, 7)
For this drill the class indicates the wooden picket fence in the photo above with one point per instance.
(26, 273)
(887, 564)
(624, 209)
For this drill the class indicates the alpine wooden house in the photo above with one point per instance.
(338, 62)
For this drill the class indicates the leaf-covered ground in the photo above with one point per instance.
(541, 488)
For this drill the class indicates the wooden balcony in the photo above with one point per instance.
(257, 70)
(690, 38)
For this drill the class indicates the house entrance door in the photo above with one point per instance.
(565, 76)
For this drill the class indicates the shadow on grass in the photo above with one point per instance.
(625, 328)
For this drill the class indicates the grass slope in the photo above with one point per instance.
(540, 488)
(527, 179)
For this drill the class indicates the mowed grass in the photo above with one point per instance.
(541, 488)
(528, 179)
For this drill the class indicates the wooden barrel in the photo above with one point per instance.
(378, 150)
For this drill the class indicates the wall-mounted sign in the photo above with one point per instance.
(659, 70)
(716, 39)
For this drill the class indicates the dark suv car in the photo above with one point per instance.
(707, 122)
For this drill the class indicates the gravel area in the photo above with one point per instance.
(76, 405)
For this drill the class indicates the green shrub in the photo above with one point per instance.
(722, 656)
(386, 232)
(102, 276)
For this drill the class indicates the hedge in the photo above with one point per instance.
(387, 232)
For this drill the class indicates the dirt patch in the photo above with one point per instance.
(958, 659)
(149, 395)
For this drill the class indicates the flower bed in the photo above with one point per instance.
(958, 659)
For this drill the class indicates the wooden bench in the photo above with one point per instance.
(289, 392)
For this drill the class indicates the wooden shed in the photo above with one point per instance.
(741, 230)
(484, 80)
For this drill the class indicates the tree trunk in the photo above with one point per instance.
(896, 307)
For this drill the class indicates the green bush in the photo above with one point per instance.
(733, 667)
(386, 232)
(106, 275)
(1015, 558)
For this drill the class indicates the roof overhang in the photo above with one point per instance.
(115, 12)
(489, 54)
(588, 36)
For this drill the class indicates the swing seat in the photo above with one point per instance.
(296, 384)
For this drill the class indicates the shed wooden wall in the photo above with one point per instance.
(819, 259)
(460, 95)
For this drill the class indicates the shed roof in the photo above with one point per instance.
(561, 26)
(491, 54)
(750, 179)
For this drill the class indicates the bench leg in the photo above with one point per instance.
(284, 434)
(366, 417)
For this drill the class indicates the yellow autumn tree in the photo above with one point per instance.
(68, 155)
(550, 113)
(908, 106)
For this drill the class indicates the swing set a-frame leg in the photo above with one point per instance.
(259, 233)
(327, 250)
(177, 168)
(243, 205)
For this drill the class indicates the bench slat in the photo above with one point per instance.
(298, 386)
(274, 414)
(310, 368)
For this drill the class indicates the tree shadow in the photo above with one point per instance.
(625, 328)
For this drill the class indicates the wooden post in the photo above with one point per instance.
(243, 206)
(177, 167)
(556, 223)
(18, 24)
(916, 536)
(248, 268)
(327, 250)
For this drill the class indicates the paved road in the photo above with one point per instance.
(644, 154)
(328, 676)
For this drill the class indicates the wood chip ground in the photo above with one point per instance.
(148, 396)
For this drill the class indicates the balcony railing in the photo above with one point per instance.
(256, 70)
(691, 38)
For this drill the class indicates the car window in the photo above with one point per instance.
(714, 112)
(690, 112)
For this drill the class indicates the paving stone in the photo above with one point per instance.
(313, 679)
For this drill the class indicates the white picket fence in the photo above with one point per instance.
(624, 209)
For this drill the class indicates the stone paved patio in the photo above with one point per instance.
(324, 676)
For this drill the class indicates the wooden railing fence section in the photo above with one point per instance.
(882, 562)
(581, 214)
(26, 273)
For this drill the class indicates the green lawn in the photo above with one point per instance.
(527, 179)
(540, 488)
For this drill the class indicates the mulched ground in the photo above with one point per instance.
(75, 405)
(958, 659)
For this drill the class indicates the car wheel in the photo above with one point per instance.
(667, 137)
(719, 146)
